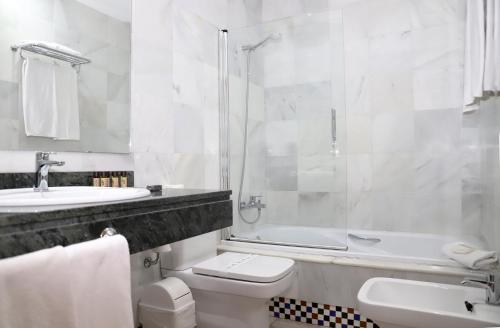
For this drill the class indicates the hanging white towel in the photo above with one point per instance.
(39, 98)
(68, 116)
(35, 291)
(474, 54)
(492, 55)
(469, 255)
(482, 52)
(50, 99)
(101, 283)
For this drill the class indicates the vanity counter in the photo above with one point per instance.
(162, 218)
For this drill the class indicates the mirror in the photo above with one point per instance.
(84, 107)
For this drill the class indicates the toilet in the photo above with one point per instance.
(230, 290)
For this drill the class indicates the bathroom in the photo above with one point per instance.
(340, 156)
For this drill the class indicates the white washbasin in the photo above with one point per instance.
(25, 199)
(409, 303)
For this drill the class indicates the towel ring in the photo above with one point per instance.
(108, 232)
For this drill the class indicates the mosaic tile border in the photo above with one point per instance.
(323, 315)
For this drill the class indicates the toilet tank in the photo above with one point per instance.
(188, 252)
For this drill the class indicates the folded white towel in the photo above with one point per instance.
(35, 291)
(52, 45)
(101, 282)
(469, 255)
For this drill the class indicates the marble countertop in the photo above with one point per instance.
(164, 217)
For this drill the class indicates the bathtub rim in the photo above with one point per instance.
(244, 247)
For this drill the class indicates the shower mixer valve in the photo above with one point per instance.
(254, 202)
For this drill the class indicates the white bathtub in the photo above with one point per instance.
(400, 247)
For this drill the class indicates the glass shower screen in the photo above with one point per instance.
(287, 122)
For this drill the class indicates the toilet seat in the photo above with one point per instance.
(245, 267)
(240, 274)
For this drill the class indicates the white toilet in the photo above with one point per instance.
(231, 290)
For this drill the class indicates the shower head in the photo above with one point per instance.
(252, 47)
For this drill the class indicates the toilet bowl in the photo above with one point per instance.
(231, 290)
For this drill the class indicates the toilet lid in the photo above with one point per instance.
(247, 267)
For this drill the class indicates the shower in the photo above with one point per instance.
(254, 202)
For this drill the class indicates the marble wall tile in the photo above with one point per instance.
(438, 88)
(281, 138)
(393, 211)
(426, 13)
(322, 173)
(314, 100)
(153, 169)
(359, 134)
(314, 137)
(437, 212)
(393, 132)
(360, 214)
(282, 208)
(393, 172)
(281, 172)
(438, 130)
(187, 84)
(8, 129)
(278, 9)
(323, 209)
(369, 18)
(360, 172)
(118, 88)
(77, 16)
(280, 103)
(194, 36)
(9, 100)
(147, 136)
(439, 172)
(390, 73)
(188, 130)
(215, 12)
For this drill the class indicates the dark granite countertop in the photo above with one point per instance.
(165, 217)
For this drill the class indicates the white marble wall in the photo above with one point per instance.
(175, 99)
(488, 120)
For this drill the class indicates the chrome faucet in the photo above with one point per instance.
(42, 166)
(254, 202)
(491, 283)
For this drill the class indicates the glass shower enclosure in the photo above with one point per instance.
(287, 142)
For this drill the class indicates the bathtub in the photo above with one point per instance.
(399, 247)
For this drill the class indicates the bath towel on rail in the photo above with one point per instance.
(50, 99)
(35, 291)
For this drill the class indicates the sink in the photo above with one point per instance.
(407, 303)
(27, 200)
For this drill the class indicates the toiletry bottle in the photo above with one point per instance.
(96, 182)
(115, 180)
(102, 179)
(123, 180)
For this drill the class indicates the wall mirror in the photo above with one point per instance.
(65, 75)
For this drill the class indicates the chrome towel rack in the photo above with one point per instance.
(42, 49)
